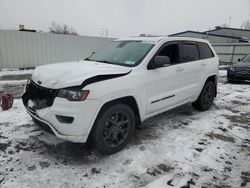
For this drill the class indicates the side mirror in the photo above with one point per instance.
(239, 59)
(160, 61)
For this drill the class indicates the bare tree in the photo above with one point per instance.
(61, 29)
(246, 25)
(224, 25)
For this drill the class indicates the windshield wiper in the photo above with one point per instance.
(104, 61)
(100, 61)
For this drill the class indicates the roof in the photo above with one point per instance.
(154, 40)
(148, 39)
(205, 33)
(228, 28)
(187, 39)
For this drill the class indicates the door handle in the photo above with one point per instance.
(203, 64)
(179, 69)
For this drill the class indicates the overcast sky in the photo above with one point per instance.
(124, 17)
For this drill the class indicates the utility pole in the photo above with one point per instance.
(104, 32)
(230, 19)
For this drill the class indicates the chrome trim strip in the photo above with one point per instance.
(159, 100)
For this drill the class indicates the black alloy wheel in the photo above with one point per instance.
(114, 128)
(206, 98)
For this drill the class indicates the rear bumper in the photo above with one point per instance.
(84, 114)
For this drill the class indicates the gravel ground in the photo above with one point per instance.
(180, 148)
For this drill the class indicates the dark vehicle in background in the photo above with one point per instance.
(240, 71)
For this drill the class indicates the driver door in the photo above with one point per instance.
(163, 83)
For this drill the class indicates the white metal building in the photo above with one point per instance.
(231, 32)
(213, 38)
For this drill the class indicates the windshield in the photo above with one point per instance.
(246, 59)
(126, 53)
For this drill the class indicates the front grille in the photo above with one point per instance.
(242, 70)
(40, 97)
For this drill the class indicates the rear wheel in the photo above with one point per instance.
(205, 100)
(114, 128)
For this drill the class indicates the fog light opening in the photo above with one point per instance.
(65, 119)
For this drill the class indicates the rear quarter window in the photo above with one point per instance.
(205, 51)
(189, 52)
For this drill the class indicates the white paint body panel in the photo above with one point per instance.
(61, 75)
(182, 81)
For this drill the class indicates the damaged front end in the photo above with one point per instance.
(60, 106)
(37, 97)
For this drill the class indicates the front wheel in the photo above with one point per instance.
(206, 98)
(114, 128)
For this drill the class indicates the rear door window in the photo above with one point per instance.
(189, 52)
(205, 51)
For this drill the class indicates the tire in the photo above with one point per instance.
(113, 128)
(206, 98)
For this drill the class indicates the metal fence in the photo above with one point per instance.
(26, 49)
(230, 53)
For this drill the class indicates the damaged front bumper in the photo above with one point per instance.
(69, 120)
(49, 128)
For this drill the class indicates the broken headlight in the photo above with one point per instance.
(73, 94)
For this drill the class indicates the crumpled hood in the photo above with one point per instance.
(62, 75)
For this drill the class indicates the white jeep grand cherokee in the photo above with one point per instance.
(103, 98)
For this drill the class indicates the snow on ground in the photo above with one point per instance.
(179, 148)
(13, 81)
(4, 72)
(223, 73)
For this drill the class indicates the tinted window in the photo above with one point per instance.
(172, 51)
(189, 52)
(205, 51)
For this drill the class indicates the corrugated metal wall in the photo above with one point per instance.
(25, 49)
(230, 53)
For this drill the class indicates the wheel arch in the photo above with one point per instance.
(214, 79)
(128, 100)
